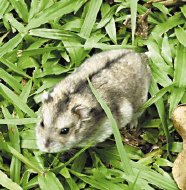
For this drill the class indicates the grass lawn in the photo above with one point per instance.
(43, 41)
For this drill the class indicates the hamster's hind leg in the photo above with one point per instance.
(126, 113)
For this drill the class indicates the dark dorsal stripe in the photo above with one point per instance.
(80, 86)
(48, 99)
(62, 104)
(83, 83)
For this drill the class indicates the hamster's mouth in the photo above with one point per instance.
(54, 148)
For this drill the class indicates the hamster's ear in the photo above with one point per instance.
(82, 111)
(46, 97)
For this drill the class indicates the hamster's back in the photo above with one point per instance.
(126, 75)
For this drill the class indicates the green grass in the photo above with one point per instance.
(42, 41)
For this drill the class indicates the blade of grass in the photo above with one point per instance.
(38, 51)
(77, 54)
(61, 166)
(28, 140)
(37, 44)
(183, 10)
(51, 33)
(173, 21)
(90, 18)
(48, 83)
(108, 20)
(6, 147)
(21, 121)
(122, 152)
(155, 55)
(71, 182)
(21, 9)
(8, 183)
(17, 101)
(175, 97)
(37, 6)
(160, 181)
(95, 38)
(13, 67)
(90, 181)
(15, 24)
(55, 11)
(180, 34)
(49, 181)
(100, 183)
(10, 80)
(157, 62)
(29, 144)
(111, 30)
(10, 45)
(26, 91)
(180, 65)
(79, 4)
(104, 46)
(33, 9)
(25, 160)
(156, 97)
(4, 5)
(15, 167)
(32, 184)
(160, 77)
(73, 25)
(161, 110)
(161, 7)
(179, 77)
(153, 177)
(55, 70)
(133, 11)
(25, 178)
(79, 162)
(107, 15)
(166, 50)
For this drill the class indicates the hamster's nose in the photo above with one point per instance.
(47, 143)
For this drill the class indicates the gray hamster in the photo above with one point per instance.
(71, 116)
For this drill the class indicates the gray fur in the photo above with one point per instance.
(121, 77)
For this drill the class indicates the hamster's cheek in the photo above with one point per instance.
(71, 139)
(40, 139)
(40, 144)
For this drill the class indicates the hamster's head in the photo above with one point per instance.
(66, 122)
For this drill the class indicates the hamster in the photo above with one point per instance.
(70, 114)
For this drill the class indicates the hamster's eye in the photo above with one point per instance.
(64, 131)
(42, 124)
